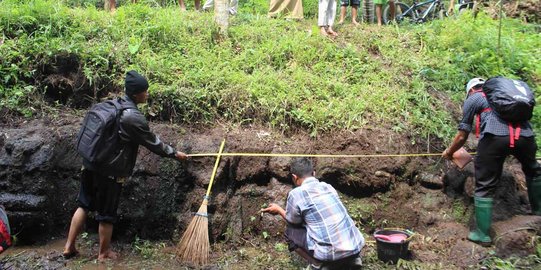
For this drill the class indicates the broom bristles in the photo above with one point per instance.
(194, 245)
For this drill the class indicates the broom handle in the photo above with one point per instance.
(215, 168)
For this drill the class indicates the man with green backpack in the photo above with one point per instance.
(502, 109)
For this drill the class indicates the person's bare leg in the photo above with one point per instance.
(342, 14)
(475, 8)
(182, 5)
(354, 15)
(451, 7)
(392, 9)
(197, 4)
(106, 232)
(378, 14)
(112, 6)
(77, 222)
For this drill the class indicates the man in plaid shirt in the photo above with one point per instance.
(318, 225)
(493, 147)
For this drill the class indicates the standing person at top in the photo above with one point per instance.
(101, 185)
(493, 147)
(325, 17)
(319, 228)
(291, 9)
(379, 10)
(197, 5)
(354, 8)
(111, 5)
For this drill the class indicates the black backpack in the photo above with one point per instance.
(99, 137)
(512, 100)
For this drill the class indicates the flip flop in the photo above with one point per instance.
(70, 255)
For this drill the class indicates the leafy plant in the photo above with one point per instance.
(280, 247)
(146, 248)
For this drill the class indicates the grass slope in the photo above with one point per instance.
(266, 70)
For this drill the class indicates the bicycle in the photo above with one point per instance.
(416, 13)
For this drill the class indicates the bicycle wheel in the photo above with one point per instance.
(400, 15)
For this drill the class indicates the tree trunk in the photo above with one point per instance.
(221, 15)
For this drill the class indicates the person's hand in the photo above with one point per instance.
(447, 155)
(180, 155)
(272, 209)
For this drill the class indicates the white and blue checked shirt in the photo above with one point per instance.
(330, 231)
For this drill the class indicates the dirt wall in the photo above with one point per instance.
(40, 170)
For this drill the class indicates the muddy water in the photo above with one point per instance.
(49, 256)
(251, 254)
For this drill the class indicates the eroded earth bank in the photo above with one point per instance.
(39, 180)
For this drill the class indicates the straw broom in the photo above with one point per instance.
(194, 245)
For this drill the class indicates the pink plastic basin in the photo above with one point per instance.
(393, 238)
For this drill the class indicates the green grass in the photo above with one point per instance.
(460, 212)
(266, 71)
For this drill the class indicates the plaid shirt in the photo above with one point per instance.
(490, 122)
(330, 232)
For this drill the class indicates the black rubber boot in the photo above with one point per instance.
(534, 195)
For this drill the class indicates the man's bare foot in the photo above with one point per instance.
(69, 253)
(355, 23)
(331, 32)
(341, 22)
(108, 255)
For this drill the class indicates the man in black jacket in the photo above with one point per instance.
(100, 191)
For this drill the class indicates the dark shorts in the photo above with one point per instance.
(350, 2)
(101, 194)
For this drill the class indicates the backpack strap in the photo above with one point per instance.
(514, 134)
(478, 121)
(121, 105)
(478, 91)
(478, 116)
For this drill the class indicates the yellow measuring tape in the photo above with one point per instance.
(309, 155)
(317, 155)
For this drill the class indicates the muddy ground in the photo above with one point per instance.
(39, 172)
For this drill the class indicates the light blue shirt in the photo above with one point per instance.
(331, 233)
